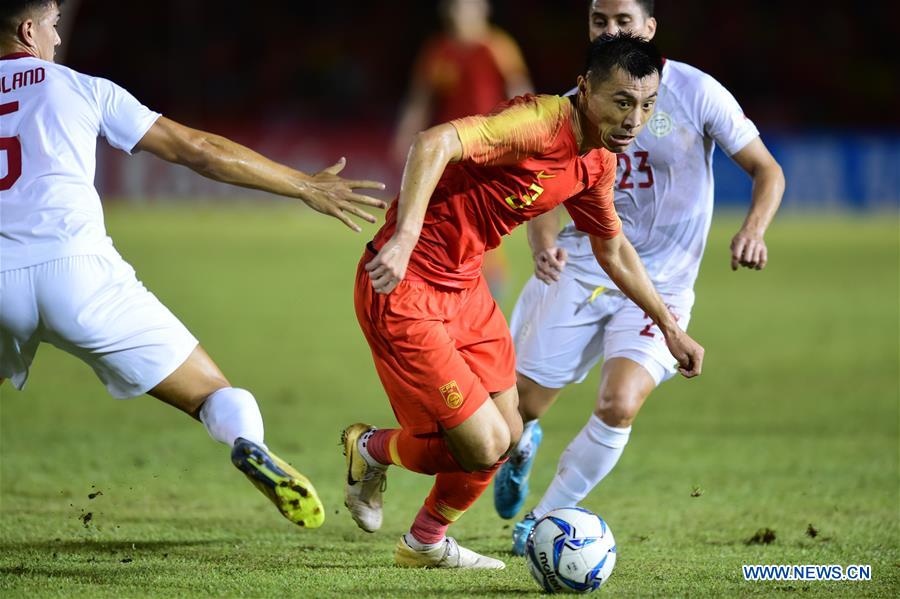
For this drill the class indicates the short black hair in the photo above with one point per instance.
(13, 10)
(633, 54)
(646, 6)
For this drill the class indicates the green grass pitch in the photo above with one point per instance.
(793, 427)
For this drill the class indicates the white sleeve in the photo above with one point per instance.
(123, 120)
(723, 119)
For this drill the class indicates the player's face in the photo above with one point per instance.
(44, 36)
(468, 13)
(615, 110)
(613, 16)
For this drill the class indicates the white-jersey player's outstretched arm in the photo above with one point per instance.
(748, 248)
(621, 262)
(223, 160)
(549, 258)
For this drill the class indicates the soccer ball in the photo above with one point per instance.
(570, 550)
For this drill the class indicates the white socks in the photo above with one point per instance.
(524, 448)
(417, 545)
(586, 461)
(230, 413)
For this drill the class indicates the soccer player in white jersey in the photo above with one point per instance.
(62, 281)
(570, 314)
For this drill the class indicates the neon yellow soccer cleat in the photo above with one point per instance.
(290, 491)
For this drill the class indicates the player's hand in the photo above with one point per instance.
(388, 268)
(748, 249)
(688, 352)
(549, 264)
(329, 194)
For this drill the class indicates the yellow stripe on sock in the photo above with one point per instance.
(451, 514)
(392, 450)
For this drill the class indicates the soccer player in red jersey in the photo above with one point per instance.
(441, 345)
(467, 69)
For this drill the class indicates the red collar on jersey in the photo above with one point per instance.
(15, 55)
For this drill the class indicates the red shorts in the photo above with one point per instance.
(439, 354)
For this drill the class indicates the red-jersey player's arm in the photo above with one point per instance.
(221, 159)
(506, 137)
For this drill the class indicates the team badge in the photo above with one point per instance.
(660, 124)
(452, 395)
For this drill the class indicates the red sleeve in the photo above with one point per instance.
(593, 210)
(526, 127)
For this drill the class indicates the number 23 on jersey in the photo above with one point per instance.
(643, 174)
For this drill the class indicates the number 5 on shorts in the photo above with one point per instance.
(13, 150)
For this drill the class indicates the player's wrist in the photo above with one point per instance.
(669, 327)
(540, 248)
(753, 228)
(407, 236)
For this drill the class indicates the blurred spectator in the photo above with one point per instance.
(468, 68)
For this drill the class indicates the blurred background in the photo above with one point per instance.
(307, 82)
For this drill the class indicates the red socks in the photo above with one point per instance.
(423, 454)
(453, 493)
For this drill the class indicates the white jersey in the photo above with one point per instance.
(664, 183)
(50, 118)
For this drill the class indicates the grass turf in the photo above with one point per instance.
(793, 427)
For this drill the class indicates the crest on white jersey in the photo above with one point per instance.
(660, 124)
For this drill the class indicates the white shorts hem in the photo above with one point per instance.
(120, 391)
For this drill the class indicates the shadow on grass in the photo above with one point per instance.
(92, 546)
(83, 575)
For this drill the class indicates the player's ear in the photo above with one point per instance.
(651, 28)
(25, 32)
(582, 85)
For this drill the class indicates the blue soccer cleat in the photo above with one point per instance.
(511, 482)
(520, 533)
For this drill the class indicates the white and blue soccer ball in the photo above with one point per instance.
(570, 550)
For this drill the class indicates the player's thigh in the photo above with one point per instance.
(95, 308)
(430, 386)
(631, 334)
(482, 338)
(558, 330)
(507, 402)
(19, 324)
(534, 398)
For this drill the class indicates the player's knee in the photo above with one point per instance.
(488, 449)
(617, 408)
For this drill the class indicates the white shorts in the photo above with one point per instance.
(92, 307)
(562, 330)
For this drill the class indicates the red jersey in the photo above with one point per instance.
(468, 78)
(517, 163)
